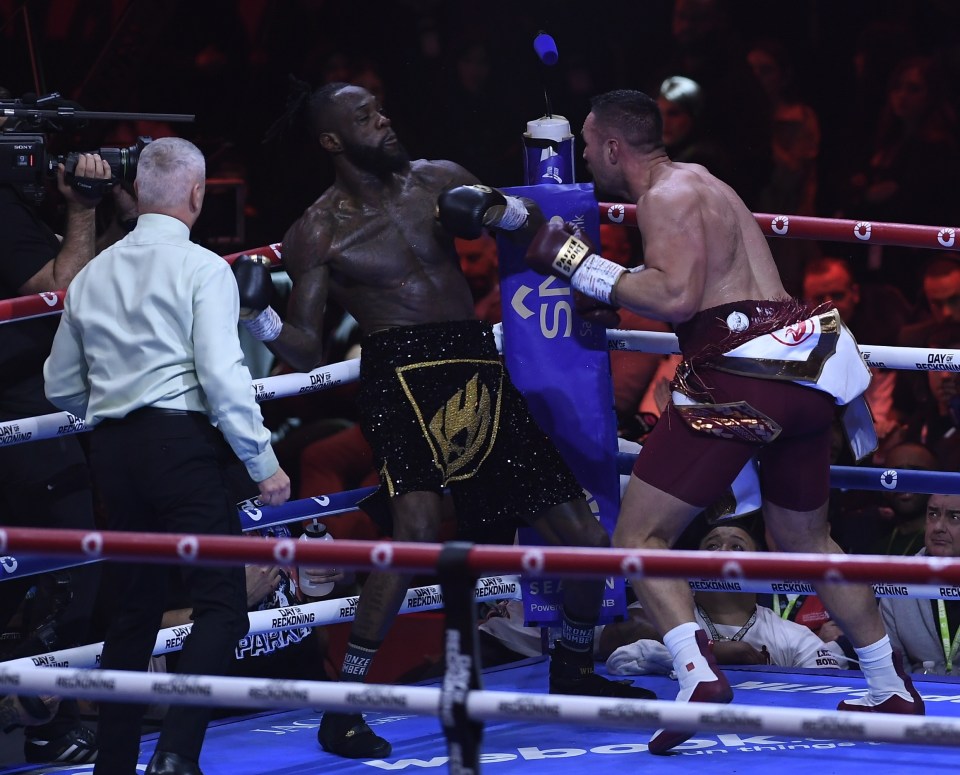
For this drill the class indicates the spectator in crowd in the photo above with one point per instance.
(940, 303)
(915, 158)
(893, 522)
(478, 259)
(681, 102)
(795, 128)
(807, 610)
(920, 629)
(875, 313)
(742, 632)
(295, 653)
(707, 48)
(792, 188)
(935, 420)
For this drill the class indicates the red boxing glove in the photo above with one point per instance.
(555, 250)
(563, 250)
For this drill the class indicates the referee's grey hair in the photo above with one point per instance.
(166, 172)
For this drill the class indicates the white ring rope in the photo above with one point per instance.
(55, 424)
(884, 589)
(317, 614)
(875, 356)
(48, 426)
(117, 685)
(430, 598)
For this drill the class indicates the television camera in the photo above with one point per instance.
(25, 162)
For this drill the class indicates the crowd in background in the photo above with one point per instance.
(812, 108)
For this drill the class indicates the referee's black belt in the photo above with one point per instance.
(147, 412)
(160, 411)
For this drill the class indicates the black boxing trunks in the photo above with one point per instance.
(755, 383)
(439, 410)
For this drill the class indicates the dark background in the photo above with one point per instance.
(228, 63)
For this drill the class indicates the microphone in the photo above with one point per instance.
(546, 49)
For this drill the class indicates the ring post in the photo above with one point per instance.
(462, 657)
(561, 364)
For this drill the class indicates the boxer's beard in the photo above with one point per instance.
(604, 193)
(378, 159)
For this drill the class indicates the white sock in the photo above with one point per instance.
(876, 662)
(689, 664)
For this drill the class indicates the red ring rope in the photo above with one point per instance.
(772, 225)
(908, 235)
(482, 559)
(33, 306)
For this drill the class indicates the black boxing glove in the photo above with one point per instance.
(562, 250)
(254, 285)
(595, 311)
(465, 210)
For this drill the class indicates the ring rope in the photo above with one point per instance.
(55, 424)
(876, 356)
(907, 235)
(316, 614)
(253, 516)
(772, 225)
(857, 478)
(926, 731)
(35, 305)
(48, 426)
(534, 561)
(482, 705)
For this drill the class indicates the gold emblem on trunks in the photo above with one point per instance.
(735, 420)
(461, 427)
(460, 422)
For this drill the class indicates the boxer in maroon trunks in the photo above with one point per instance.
(697, 467)
(705, 260)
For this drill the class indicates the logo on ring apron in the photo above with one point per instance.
(458, 409)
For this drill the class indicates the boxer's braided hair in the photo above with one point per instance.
(304, 110)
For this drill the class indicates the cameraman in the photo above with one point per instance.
(46, 483)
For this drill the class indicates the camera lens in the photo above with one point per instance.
(122, 161)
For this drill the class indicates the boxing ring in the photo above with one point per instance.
(501, 719)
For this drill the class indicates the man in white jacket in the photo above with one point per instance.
(742, 631)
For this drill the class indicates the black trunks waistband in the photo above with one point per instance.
(409, 344)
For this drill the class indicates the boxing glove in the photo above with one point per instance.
(464, 210)
(562, 250)
(254, 285)
(595, 311)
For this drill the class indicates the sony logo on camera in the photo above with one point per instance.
(26, 163)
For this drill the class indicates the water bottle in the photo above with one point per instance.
(316, 530)
(548, 151)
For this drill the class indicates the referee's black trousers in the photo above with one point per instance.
(165, 472)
